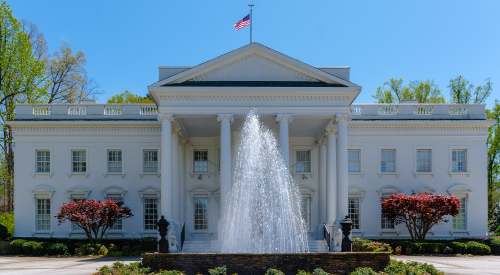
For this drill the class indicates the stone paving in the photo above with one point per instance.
(13, 265)
(459, 265)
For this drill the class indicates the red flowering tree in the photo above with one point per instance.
(420, 212)
(94, 217)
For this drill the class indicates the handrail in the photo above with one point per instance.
(183, 235)
(326, 236)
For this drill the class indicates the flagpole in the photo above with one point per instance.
(251, 23)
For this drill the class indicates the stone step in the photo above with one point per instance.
(196, 247)
(318, 246)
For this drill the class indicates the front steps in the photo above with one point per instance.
(205, 246)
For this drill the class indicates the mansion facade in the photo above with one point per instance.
(174, 158)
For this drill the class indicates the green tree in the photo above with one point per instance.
(68, 78)
(128, 97)
(393, 91)
(461, 92)
(20, 73)
(493, 165)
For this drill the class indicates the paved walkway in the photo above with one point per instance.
(459, 265)
(45, 266)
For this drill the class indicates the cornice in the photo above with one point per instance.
(411, 128)
(87, 129)
(256, 98)
(258, 57)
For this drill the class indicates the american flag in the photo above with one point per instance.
(242, 23)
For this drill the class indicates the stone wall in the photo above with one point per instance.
(249, 264)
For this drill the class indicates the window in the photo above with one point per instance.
(353, 158)
(423, 160)
(218, 160)
(79, 160)
(388, 163)
(150, 214)
(303, 161)
(150, 161)
(43, 161)
(118, 224)
(74, 226)
(353, 211)
(305, 212)
(114, 161)
(200, 214)
(201, 161)
(386, 224)
(459, 221)
(459, 160)
(43, 214)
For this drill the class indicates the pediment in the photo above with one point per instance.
(115, 190)
(77, 191)
(253, 62)
(388, 190)
(424, 188)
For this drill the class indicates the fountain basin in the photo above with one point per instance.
(258, 263)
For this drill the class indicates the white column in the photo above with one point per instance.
(322, 183)
(182, 180)
(331, 180)
(175, 175)
(284, 119)
(342, 167)
(225, 121)
(166, 165)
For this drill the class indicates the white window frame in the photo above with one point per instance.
(467, 158)
(151, 148)
(361, 156)
(70, 152)
(415, 172)
(197, 192)
(190, 161)
(359, 212)
(106, 172)
(313, 157)
(308, 192)
(308, 225)
(149, 192)
(119, 222)
(358, 193)
(207, 213)
(463, 192)
(464, 201)
(144, 213)
(385, 192)
(49, 215)
(396, 166)
(41, 192)
(51, 165)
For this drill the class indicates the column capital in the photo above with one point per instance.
(287, 117)
(344, 117)
(182, 142)
(169, 117)
(228, 117)
(330, 132)
(321, 142)
(177, 131)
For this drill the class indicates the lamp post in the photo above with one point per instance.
(162, 229)
(346, 230)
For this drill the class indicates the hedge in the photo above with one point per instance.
(495, 246)
(476, 248)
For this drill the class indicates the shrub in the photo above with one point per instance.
(28, 247)
(115, 254)
(432, 248)
(171, 272)
(16, 246)
(92, 249)
(132, 268)
(357, 244)
(218, 271)
(458, 248)
(495, 246)
(476, 248)
(408, 251)
(364, 271)
(137, 248)
(407, 246)
(447, 250)
(7, 219)
(40, 249)
(398, 250)
(114, 248)
(126, 248)
(376, 247)
(4, 247)
(319, 271)
(400, 267)
(272, 271)
(58, 249)
(4, 233)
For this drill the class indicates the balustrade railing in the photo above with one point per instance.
(148, 110)
(326, 236)
(113, 110)
(77, 110)
(356, 110)
(459, 110)
(387, 110)
(41, 110)
(422, 110)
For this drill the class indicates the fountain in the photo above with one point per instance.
(263, 214)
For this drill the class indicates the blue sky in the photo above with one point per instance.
(125, 41)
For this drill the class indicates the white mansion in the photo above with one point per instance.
(173, 158)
